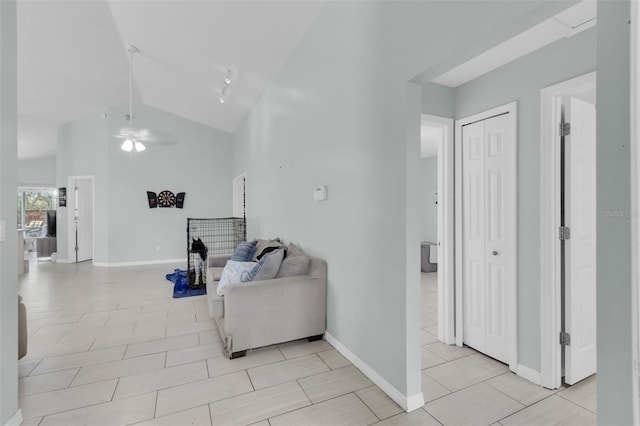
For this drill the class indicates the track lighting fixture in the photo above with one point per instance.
(225, 88)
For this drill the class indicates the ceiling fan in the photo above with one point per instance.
(136, 138)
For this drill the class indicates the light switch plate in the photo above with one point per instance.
(3, 231)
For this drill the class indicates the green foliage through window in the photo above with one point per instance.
(33, 205)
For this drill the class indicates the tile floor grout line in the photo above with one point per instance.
(246, 371)
(305, 392)
(432, 415)
(575, 403)
(526, 407)
(463, 388)
(367, 405)
(155, 406)
(74, 378)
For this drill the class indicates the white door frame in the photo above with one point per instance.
(511, 228)
(635, 205)
(71, 202)
(239, 206)
(446, 226)
(550, 262)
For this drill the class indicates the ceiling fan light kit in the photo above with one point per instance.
(127, 145)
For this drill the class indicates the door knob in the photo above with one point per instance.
(495, 253)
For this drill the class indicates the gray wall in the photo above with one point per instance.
(522, 81)
(359, 134)
(199, 164)
(615, 372)
(82, 151)
(428, 206)
(8, 188)
(438, 100)
(37, 172)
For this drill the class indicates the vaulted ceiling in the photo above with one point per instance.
(73, 60)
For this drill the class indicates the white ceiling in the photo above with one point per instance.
(73, 62)
(565, 24)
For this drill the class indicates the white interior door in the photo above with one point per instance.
(84, 219)
(484, 144)
(473, 248)
(580, 248)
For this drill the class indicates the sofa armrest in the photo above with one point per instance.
(218, 260)
(258, 313)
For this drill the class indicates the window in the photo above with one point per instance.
(32, 209)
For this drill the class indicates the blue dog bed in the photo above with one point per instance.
(181, 285)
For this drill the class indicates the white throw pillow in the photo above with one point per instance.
(233, 273)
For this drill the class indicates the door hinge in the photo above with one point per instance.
(564, 233)
(565, 129)
(565, 338)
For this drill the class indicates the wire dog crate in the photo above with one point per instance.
(211, 236)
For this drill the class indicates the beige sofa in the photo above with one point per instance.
(261, 313)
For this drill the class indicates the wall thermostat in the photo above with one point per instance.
(320, 193)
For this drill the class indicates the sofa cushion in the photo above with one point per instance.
(216, 271)
(215, 302)
(267, 268)
(295, 263)
(244, 251)
(233, 273)
(265, 246)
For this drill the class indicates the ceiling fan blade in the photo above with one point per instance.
(146, 136)
(127, 133)
(156, 138)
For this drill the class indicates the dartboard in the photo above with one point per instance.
(166, 199)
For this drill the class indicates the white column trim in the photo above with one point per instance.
(446, 228)
(635, 206)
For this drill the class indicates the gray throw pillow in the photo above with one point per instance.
(295, 263)
(263, 247)
(267, 268)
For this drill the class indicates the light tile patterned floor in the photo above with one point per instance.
(110, 346)
(464, 387)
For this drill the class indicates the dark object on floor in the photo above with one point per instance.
(315, 338)
(22, 329)
(238, 354)
(181, 285)
(427, 258)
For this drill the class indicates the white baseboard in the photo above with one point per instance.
(527, 373)
(408, 404)
(65, 261)
(16, 420)
(140, 263)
